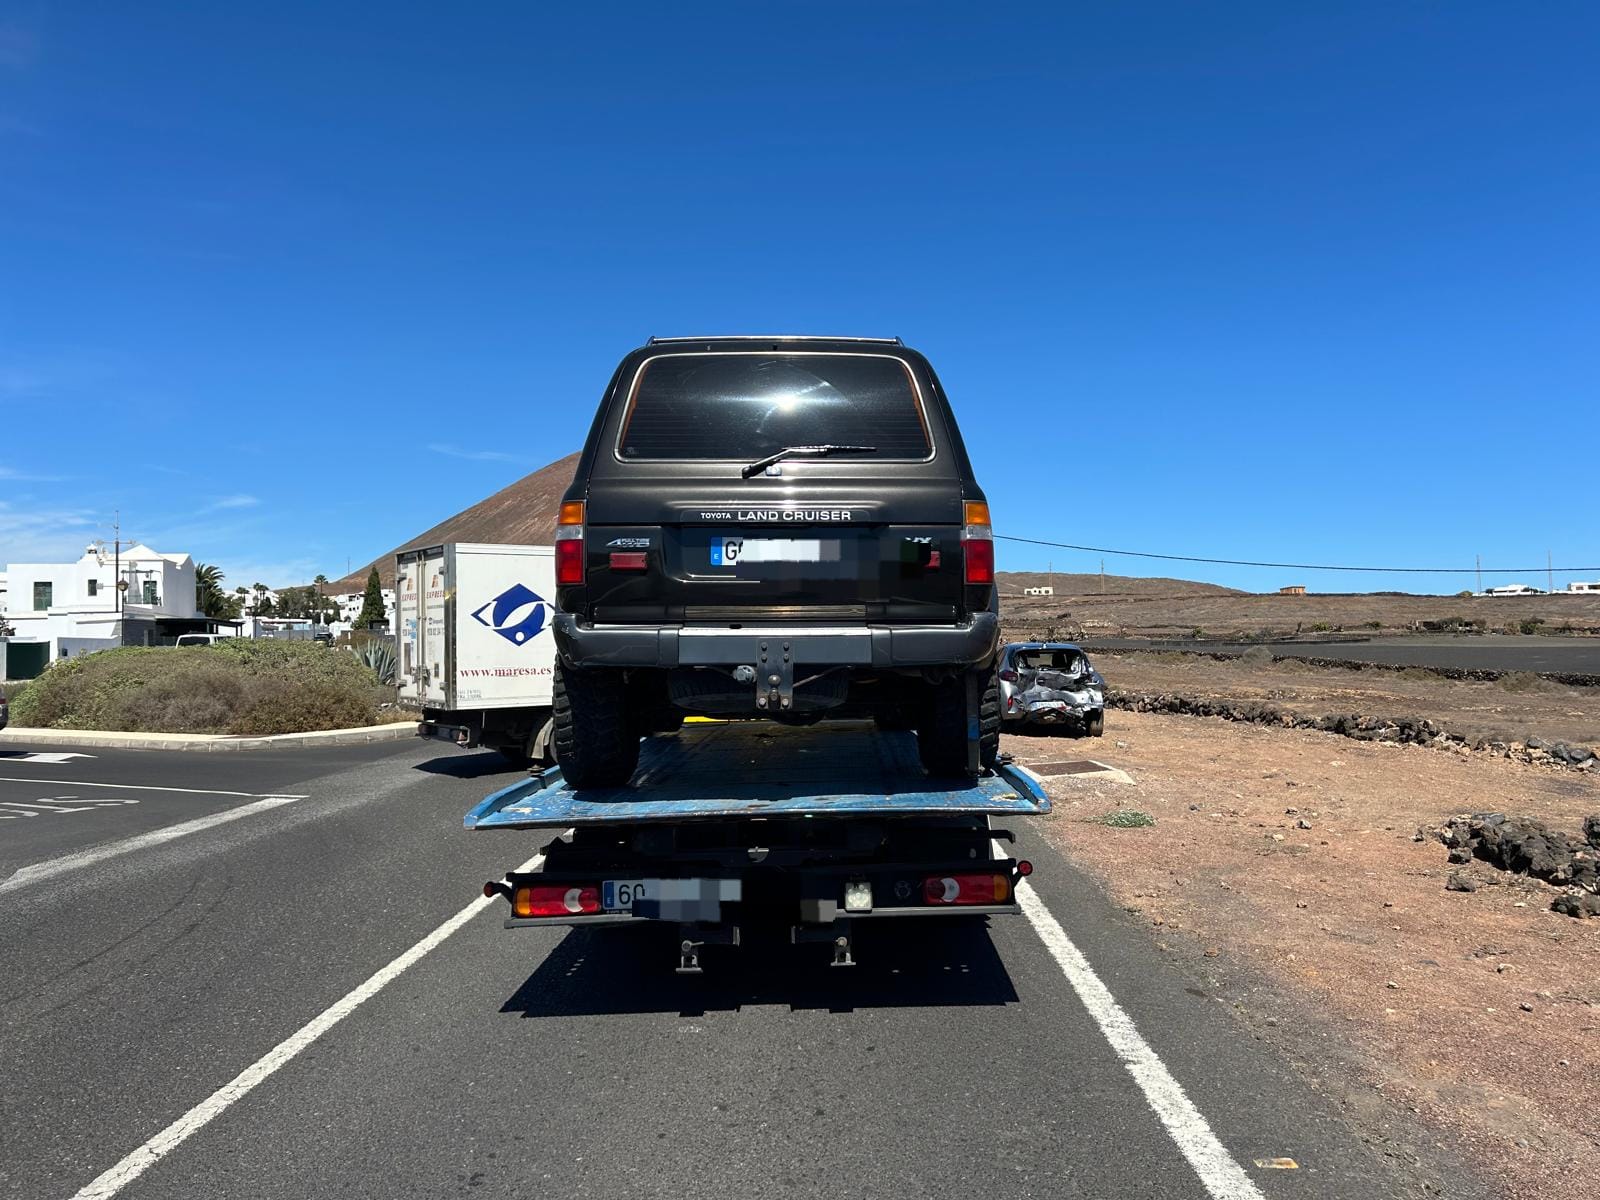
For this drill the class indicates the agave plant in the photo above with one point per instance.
(379, 656)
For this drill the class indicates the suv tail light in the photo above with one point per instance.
(1008, 675)
(977, 543)
(569, 544)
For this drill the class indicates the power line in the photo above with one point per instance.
(1240, 562)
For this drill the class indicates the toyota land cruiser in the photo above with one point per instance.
(775, 527)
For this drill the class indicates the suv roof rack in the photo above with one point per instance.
(776, 337)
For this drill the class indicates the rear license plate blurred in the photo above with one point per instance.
(618, 895)
(731, 551)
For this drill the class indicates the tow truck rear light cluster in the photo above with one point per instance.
(558, 900)
(967, 889)
(977, 543)
(569, 544)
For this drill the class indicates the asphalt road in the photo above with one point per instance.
(1491, 652)
(142, 976)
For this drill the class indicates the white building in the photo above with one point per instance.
(350, 608)
(1038, 591)
(136, 598)
(1574, 586)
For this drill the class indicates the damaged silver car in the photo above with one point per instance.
(1051, 684)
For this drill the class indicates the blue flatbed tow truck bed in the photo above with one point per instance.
(754, 768)
(729, 825)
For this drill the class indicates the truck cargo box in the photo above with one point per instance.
(473, 626)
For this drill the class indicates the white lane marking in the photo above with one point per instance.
(143, 787)
(52, 757)
(1218, 1170)
(137, 1162)
(23, 876)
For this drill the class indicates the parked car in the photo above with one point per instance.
(199, 639)
(1051, 683)
(786, 528)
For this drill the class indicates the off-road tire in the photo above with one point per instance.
(596, 742)
(1095, 724)
(942, 732)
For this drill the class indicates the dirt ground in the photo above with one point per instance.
(1479, 1011)
(1509, 709)
(1125, 611)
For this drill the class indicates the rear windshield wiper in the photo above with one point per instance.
(761, 464)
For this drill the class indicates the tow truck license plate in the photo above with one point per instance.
(677, 897)
(618, 895)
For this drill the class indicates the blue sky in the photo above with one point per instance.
(288, 284)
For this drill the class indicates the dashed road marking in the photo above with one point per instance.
(87, 858)
(1221, 1174)
(138, 787)
(51, 757)
(61, 805)
(136, 1162)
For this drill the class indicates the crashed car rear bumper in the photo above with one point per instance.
(882, 646)
(1051, 715)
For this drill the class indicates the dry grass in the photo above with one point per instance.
(240, 687)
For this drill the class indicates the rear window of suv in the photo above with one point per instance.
(746, 406)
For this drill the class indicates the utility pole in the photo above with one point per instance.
(1050, 575)
(1102, 577)
(1480, 574)
(1549, 571)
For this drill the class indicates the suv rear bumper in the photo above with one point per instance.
(844, 645)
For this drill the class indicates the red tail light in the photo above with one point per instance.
(966, 889)
(569, 559)
(980, 560)
(558, 900)
(1008, 675)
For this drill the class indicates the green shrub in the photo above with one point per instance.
(236, 686)
(377, 655)
(1530, 625)
(1125, 818)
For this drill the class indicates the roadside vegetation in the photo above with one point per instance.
(236, 686)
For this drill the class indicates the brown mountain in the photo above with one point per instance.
(1089, 586)
(522, 514)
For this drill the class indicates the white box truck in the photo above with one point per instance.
(473, 644)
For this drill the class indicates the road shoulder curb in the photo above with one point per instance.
(20, 737)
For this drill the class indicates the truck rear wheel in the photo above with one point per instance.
(942, 731)
(596, 743)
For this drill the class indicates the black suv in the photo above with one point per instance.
(779, 527)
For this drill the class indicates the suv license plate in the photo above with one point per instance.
(618, 895)
(731, 551)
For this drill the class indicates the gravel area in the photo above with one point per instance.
(1510, 709)
(1284, 863)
